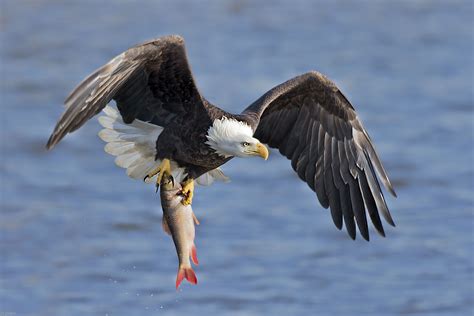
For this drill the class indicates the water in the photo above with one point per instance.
(79, 238)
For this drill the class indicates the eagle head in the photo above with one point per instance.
(230, 137)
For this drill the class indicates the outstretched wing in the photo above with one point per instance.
(151, 82)
(311, 122)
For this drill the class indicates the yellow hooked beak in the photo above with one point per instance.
(261, 150)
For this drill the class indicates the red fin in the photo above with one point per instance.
(179, 277)
(195, 219)
(187, 273)
(165, 226)
(194, 257)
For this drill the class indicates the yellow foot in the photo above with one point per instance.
(164, 169)
(187, 190)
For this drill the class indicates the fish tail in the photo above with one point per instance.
(193, 254)
(187, 273)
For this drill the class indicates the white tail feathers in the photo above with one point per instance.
(134, 145)
(208, 178)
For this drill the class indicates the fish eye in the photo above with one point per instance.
(245, 144)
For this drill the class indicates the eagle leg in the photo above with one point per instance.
(163, 170)
(187, 190)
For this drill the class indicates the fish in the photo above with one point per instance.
(178, 221)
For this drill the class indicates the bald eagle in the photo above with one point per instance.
(162, 125)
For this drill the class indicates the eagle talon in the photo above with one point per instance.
(187, 190)
(163, 171)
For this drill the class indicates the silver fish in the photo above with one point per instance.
(178, 221)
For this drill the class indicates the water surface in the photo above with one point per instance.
(79, 238)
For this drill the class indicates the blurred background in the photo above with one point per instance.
(80, 238)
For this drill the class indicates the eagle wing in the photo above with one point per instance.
(312, 123)
(151, 82)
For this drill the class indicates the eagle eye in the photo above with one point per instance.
(245, 144)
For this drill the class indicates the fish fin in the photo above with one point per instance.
(187, 273)
(195, 219)
(165, 226)
(194, 257)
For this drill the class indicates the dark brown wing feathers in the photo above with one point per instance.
(313, 124)
(152, 82)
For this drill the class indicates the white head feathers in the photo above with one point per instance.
(225, 133)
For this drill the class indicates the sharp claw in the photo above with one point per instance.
(172, 180)
(159, 172)
(149, 177)
(186, 199)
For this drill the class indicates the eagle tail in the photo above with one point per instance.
(133, 144)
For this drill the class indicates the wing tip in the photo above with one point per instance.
(352, 235)
(49, 145)
(52, 141)
(381, 232)
(391, 222)
(386, 180)
(338, 226)
(392, 190)
(365, 234)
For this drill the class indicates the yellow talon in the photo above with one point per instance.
(163, 169)
(187, 190)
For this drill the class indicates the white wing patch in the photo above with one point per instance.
(134, 145)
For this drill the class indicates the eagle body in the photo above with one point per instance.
(162, 123)
(187, 146)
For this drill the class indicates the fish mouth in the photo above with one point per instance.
(167, 183)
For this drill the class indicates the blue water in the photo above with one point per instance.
(79, 238)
